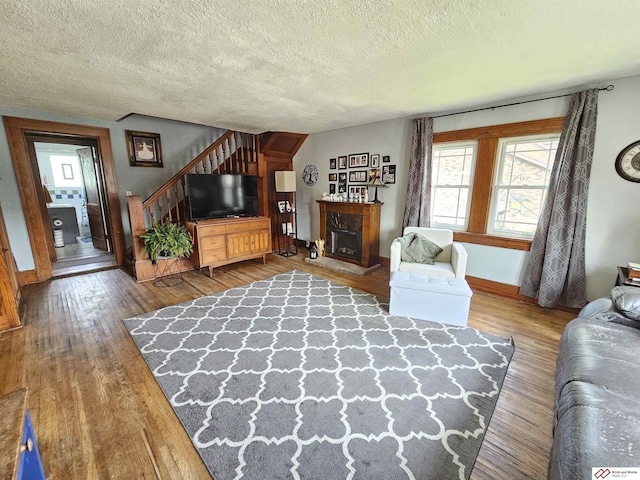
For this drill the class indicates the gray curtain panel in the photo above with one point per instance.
(418, 206)
(555, 273)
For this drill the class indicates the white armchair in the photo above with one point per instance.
(452, 261)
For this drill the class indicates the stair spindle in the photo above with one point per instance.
(175, 194)
(168, 195)
(243, 152)
(160, 214)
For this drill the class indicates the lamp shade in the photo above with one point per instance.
(376, 182)
(286, 181)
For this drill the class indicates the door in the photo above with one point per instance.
(93, 198)
(9, 287)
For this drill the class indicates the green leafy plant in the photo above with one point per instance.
(168, 240)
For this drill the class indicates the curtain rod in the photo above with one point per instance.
(608, 88)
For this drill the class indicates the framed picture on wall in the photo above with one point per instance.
(359, 160)
(386, 159)
(332, 164)
(332, 188)
(342, 163)
(144, 149)
(375, 161)
(357, 190)
(333, 177)
(356, 176)
(389, 174)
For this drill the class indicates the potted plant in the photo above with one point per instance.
(167, 239)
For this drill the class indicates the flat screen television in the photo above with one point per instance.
(216, 196)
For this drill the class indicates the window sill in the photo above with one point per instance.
(492, 241)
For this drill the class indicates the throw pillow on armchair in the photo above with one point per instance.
(416, 248)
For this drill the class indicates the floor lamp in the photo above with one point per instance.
(286, 185)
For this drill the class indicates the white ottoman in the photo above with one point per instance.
(439, 299)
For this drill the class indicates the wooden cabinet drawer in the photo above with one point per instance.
(208, 230)
(215, 255)
(210, 243)
(247, 226)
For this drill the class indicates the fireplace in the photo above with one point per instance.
(351, 231)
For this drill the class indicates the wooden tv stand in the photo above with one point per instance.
(221, 241)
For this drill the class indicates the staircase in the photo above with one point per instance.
(234, 152)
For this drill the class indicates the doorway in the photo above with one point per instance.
(94, 144)
(74, 194)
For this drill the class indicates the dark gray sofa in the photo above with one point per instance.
(597, 389)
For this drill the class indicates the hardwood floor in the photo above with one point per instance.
(98, 412)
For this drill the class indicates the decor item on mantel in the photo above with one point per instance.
(376, 182)
(286, 192)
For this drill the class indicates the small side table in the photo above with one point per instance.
(623, 275)
(19, 456)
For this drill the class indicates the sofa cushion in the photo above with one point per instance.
(416, 248)
(597, 427)
(627, 301)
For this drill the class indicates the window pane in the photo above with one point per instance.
(450, 205)
(524, 167)
(518, 210)
(529, 165)
(451, 177)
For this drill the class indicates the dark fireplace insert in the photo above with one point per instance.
(344, 236)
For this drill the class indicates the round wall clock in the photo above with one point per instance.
(628, 162)
(310, 175)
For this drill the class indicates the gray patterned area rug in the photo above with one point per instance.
(298, 377)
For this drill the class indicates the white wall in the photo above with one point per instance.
(181, 142)
(385, 138)
(613, 226)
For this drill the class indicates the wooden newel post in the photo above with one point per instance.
(136, 221)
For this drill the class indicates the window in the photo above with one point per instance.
(489, 183)
(521, 182)
(66, 171)
(451, 182)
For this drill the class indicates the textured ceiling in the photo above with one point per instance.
(304, 66)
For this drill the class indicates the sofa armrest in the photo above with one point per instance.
(459, 258)
(596, 307)
(395, 256)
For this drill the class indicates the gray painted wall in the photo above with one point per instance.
(613, 226)
(181, 142)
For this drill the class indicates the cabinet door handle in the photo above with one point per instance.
(27, 447)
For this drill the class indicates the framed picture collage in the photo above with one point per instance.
(357, 170)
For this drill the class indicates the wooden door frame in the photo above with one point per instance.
(17, 129)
